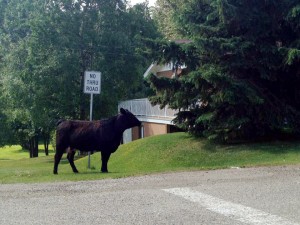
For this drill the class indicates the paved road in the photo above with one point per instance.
(264, 196)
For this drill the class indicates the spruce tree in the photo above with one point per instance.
(243, 78)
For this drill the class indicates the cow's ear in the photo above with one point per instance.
(123, 111)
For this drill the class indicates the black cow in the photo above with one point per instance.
(103, 135)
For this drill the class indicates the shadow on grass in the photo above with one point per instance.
(273, 147)
(41, 151)
(276, 147)
(62, 161)
(22, 150)
(270, 147)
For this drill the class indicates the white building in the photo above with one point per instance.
(155, 120)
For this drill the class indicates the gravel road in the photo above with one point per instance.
(266, 195)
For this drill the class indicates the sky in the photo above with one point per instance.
(151, 2)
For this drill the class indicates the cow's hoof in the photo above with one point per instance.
(76, 171)
(55, 172)
(104, 171)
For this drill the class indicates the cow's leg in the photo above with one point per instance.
(57, 159)
(70, 157)
(105, 157)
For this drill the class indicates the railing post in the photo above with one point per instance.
(146, 102)
(165, 111)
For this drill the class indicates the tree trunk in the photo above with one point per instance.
(30, 148)
(82, 105)
(34, 147)
(46, 138)
(46, 146)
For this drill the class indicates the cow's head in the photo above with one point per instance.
(128, 119)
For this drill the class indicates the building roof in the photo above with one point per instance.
(155, 68)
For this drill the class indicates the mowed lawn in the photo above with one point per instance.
(163, 153)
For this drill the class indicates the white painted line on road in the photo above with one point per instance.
(234, 211)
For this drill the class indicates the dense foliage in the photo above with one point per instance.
(45, 48)
(243, 78)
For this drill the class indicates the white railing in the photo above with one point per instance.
(142, 108)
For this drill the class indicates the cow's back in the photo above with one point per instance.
(88, 136)
(83, 135)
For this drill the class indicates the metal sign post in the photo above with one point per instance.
(91, 107)
(92, 85)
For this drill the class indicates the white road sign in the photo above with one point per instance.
(92, 82)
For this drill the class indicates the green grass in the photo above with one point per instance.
(171, 152)
(16, 152)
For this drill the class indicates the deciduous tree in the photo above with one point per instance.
(46, 46)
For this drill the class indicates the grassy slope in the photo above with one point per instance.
(170, 152)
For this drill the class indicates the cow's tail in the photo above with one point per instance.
(59, 122)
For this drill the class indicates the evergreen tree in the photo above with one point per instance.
(244, 75)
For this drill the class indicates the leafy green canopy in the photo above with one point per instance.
(243, 77)
(45, 47)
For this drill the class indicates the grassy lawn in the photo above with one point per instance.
(164, 153)
(16, 152)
